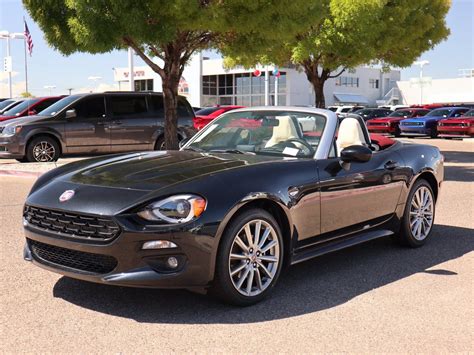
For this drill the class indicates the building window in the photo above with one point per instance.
(209, 85)
(347, 81)
(144, 85)
(226, 84)
(374, 83)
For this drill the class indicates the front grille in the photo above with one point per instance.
(412, 123)
(79, 261)
(453, 124)
(73, 225)
(378, 124)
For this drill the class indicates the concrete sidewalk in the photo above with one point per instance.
(11, 167)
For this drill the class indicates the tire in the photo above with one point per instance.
(42, 149)
(408, 231)
(22, 160)
(397, 132)
(434, 133)
(160, 143)
(248, 266)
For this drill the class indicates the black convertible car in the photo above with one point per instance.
(255, 190)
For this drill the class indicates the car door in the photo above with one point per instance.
(361, 194)
(131, 123)
(86, 132)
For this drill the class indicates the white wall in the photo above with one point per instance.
(456, 91)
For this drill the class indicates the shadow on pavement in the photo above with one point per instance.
(308, 287)
(458, 157)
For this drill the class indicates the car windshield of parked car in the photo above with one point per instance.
(5, 104)
(18, 109)
(333, 109)
(439, 113)
(364, 112)
(469, 113)
(280, 133)
(207, 111)
(400, 114)
(59, 105)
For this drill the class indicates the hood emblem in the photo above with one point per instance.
(66, 195)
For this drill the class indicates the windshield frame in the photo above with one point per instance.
(327, 135)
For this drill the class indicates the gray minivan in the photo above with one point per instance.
(102, 123)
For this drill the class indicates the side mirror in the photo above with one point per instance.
(71, 113)
(32, 112)
(183, 142)
(355, 153)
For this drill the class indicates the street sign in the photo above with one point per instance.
(7, 64)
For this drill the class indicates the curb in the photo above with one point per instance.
(19, 173)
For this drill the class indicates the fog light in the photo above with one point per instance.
(159, 244)
(172, 262)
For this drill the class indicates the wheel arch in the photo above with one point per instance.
(268, 203)
(431, 179)
(49, 134)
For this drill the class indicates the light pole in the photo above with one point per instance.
(50, 88)
(131, 73)
(70, 90)
(7, 35)
(421, 63)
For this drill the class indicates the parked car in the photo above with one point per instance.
(369, 113)
(207, 114)
(185, 219)
(458, 127)
(427, 125)
(92, 124)
(29, 107)
(391, 123)
(344, 110)
(8, 104)
(394, 107)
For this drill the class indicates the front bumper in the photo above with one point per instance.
(456, 131)
(11, 147)
(382, 129)
(415, 130)
(134, 266)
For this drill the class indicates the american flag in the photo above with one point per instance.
(29, 41)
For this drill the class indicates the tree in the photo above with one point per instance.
(26, 94)
(352, 33)
(165, 33)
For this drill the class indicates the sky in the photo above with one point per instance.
(47, 67)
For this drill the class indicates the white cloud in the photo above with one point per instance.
(99, 88)
(17, 89)
(4, 75)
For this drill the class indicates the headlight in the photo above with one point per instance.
(175, 209)
(9, 131)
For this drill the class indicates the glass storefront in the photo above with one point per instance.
(144, 85)
(243, 89)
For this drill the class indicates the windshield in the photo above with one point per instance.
(469, 113)
(207, 111)
(59, 105)
(18, 109)
(333, 109)
(400, 113)
(280, 133)
(364, 112)
(6, 103)
(439, 112)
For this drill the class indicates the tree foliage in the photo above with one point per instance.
(352, 33)
(166, 33)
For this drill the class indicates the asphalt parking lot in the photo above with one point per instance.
(376, 297)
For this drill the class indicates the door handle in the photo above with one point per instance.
(390, 165)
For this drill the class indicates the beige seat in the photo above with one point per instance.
(284, 131)
(350, 133)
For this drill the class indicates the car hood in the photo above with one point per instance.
(423, 118)
(458, 120)
(20, 120)
(387, 119)
(127, 179)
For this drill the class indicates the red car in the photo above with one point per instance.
(207, 114)
(29, 107)
(457, 127)
(391, 123)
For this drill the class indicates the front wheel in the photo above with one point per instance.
(250, 258)
(418, 218)
(42, 150)
(434, 133)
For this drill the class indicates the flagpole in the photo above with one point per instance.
(26, 58)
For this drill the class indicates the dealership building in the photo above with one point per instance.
(206, 82)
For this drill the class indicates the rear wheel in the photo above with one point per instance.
(42, 149)
(418, 218)
(250, 258)
(160, 143)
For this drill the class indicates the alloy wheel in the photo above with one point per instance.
(421, 213)
(254, 257)
(44, 151)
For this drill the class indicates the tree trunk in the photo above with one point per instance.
(170, 100)
(318, 86)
